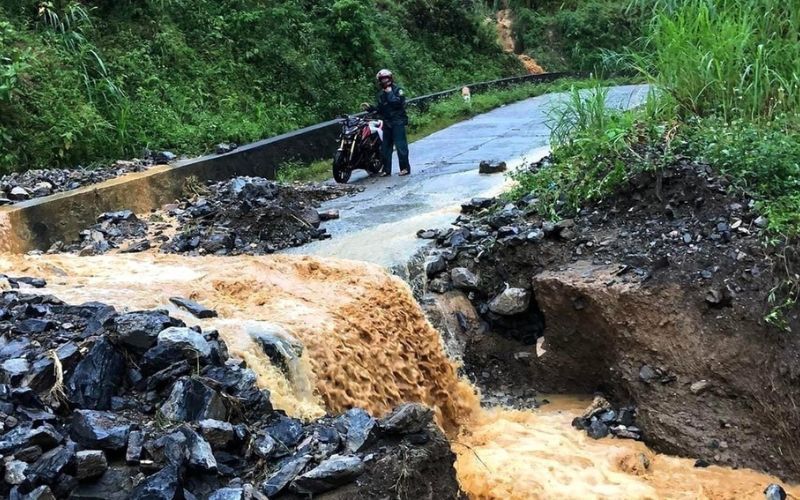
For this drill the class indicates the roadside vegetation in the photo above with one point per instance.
(84, 80)
(575, 35)
(726, 93)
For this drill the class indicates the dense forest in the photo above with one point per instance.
(88, 80)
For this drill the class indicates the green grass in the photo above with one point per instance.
(441, 115)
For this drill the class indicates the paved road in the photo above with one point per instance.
(379, 225)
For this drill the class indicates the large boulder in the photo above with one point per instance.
(97, 377)
(331, 473)
(167, 484)
(100, 429)
(192, 400)
(358, 427)
(139, 330)
(511, 301)
(407, 419)
(186, 340)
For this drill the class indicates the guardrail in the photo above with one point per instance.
(37, 224)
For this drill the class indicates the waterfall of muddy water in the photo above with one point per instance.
(368, 344)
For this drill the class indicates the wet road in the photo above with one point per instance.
(380, 224)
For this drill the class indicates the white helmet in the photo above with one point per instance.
(384, 73)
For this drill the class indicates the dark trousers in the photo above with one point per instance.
(394, 136)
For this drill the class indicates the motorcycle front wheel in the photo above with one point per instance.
(341, 171)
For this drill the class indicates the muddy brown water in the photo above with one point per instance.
(368, 344)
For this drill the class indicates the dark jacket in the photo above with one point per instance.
(392, 106)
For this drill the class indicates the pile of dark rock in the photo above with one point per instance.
(601, 420)
(20, 186)
(114, 230)
(251, 215)
(95, 403)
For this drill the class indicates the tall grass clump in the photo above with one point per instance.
(729, 58)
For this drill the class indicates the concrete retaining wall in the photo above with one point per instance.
(37, 224)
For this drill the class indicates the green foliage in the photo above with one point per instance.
(595, 150)
(729, 58)
(575, 36)
(762, 158)
(105, 78)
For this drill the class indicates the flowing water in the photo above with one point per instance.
(368, 344)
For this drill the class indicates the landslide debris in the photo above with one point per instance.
(99, 403)
(21, 186)
(656, 295)
(243, 215)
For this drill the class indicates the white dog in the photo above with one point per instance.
(466, 94)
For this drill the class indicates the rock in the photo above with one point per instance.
(622, 432)
(164, 485)
(194, 308)
(50, 465)
(476, 204)
(326, 215)
(42, 374)
(192, 400)
(115, 484)
(599, 405)
(45, 436)
(185, 339)
(647, 374)
(535, 235)
(264, 446)
(164, 157)
(285, 430)
(626, 416)
(15, 472)
(700, 387)
(597, 430)
(358, 427)
(228, 494)
(283, 351)
(701, 463)
(29, 454)
(286, 474)
(97, 377)
(718, 298)
(510, 302)
(119, 216)
(13, 370)
(407, 419)
(761, 222)
(223, 148)
(5, 201)
(139, 330)
(133, 452)
(137, 247)
(100, 429)
(331, 473)
(40, 493)
(18, 194)
(219, 434)
(200, 455)
(486, 167)
(464, 279)
(90, 464)
(434, 265)
(427, 234)
(774, 492)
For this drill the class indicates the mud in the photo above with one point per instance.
(669, 275)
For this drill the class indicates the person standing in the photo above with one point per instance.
(392, 109)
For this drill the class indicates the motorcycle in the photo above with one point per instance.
(359, 146)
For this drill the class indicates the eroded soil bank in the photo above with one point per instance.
(656, 297)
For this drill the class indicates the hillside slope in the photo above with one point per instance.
(87, 80)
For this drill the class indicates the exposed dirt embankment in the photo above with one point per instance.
(656, 296)
(506, 33)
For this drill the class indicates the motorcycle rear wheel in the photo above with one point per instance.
(341, 172)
